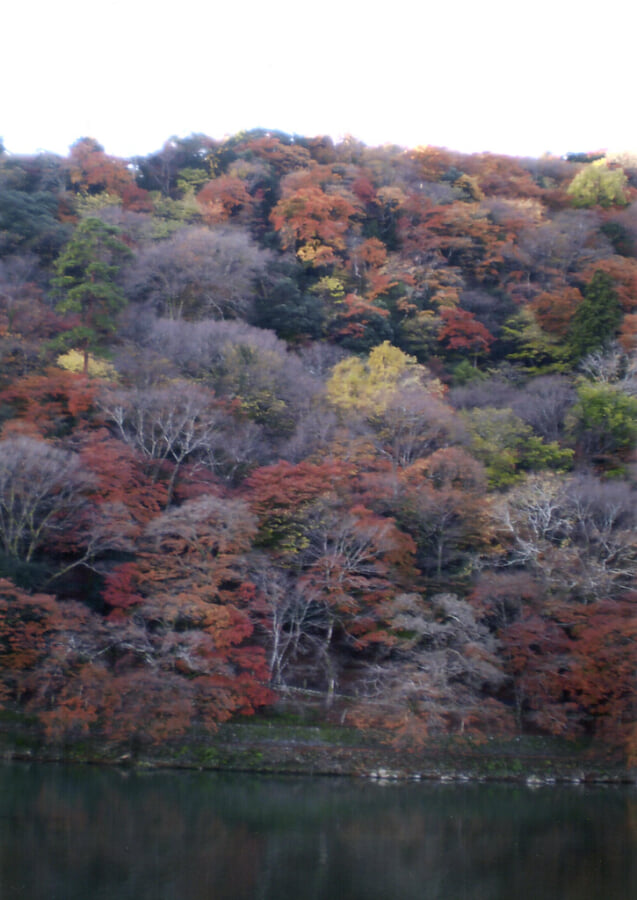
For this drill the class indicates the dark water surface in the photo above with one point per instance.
(81, 833)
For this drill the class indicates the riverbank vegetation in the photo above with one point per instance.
(284, 420)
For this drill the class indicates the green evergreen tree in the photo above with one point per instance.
(604, 421)
(85, 275)
(597, 318)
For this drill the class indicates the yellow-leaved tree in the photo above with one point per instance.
(369, 385)
(598, 185)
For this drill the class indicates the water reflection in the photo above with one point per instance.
(77, 833)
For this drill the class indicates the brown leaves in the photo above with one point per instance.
(574, 668)
(92, 171)
(554, 310)
(124, 678)
(52, 404)
(462, 331)
(224, 198)
(314, 223)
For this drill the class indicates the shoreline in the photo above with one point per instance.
(267, 748)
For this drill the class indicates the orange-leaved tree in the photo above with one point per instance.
(193, 577)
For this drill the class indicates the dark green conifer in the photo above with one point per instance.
(86, 277)
(597, 318)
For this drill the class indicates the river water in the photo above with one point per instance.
(83, 833)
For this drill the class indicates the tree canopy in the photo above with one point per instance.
(281, 415)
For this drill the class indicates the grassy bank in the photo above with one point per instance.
(285, 745)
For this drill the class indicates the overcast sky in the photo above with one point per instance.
(549, 76)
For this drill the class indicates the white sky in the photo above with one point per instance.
(471, 75)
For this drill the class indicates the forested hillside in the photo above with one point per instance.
(283, 415)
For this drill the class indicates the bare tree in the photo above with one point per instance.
(438, 675)
(348, 562)
(198, 348)
(567, 243)
(415, 424)
(198, 273)
(175, 423)
(43, 491)
(544, 403)
(576, 535)
(289, 617)
(612, 366)
(248, 365)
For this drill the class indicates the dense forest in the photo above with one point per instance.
(282, 416)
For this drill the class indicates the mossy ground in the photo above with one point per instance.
(288, 744)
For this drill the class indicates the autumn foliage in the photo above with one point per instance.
(348, 423)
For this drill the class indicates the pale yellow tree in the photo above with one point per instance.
(599, 185)
(369, 386)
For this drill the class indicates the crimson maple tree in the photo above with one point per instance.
(462, 331)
